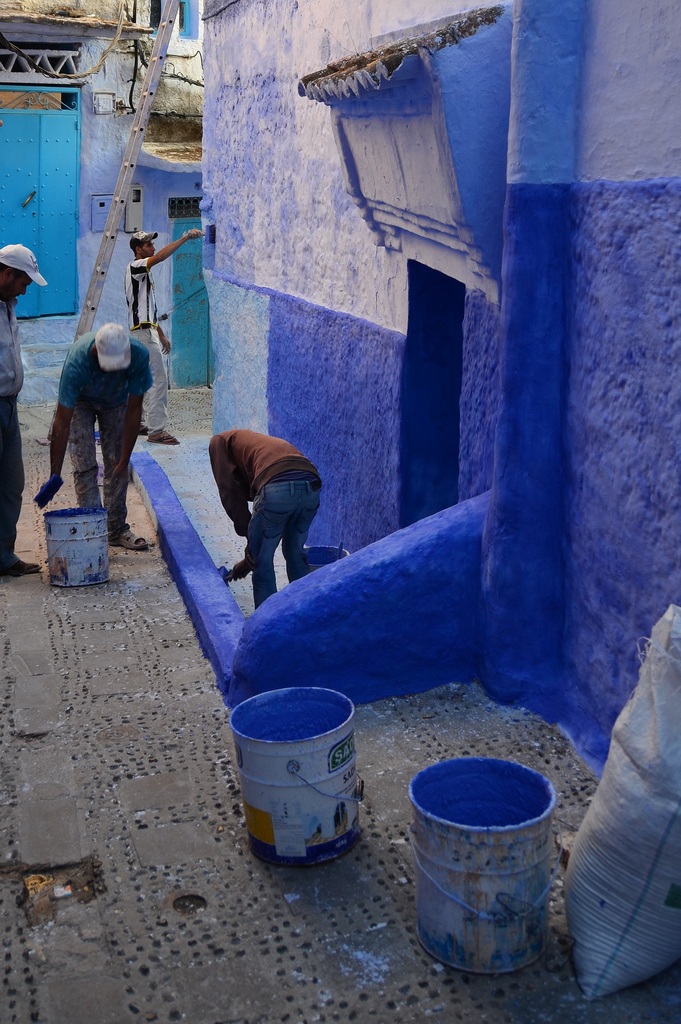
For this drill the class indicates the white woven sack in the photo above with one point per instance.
(623, 883)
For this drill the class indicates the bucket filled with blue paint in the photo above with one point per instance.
(481, 837)
(324, 554)
(295, 749)
(77, 546)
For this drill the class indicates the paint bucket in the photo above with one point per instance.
(481, 837)
(295, 749)
(321, 554)
(77, 546)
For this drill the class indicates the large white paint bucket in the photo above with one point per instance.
(481, 837)
(295, 749)
(77, 546)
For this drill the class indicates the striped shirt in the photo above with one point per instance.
(140, 296)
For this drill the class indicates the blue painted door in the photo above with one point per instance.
(39, 202)
(191, 357)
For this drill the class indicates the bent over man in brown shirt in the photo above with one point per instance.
(284, 488)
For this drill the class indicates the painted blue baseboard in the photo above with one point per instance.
(217, 619)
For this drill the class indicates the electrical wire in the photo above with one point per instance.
(164, 73)
(58, 74)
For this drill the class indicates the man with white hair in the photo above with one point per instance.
(18, 268)
(104, 378)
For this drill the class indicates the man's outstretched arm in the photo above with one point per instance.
(172, 247)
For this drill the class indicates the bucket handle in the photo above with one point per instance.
(508, 913)
(293, 768)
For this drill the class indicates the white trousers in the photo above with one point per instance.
(155, 407)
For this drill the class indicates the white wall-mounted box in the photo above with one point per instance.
(100, 203)
(134, 208)
(104, 102)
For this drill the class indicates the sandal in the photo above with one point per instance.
(162, 438)
(128, 540)
(142, 430)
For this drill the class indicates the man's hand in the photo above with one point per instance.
(242, 568)
(193, 233)
(164, 340)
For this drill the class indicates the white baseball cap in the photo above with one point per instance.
(113, 347)
(18, 257)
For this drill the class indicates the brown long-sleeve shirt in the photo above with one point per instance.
(243, 462)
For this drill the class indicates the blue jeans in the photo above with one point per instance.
(281, 512)
(11, 480)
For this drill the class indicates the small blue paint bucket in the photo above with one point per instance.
(481, 837)
(77, 546)
(321, 554)
(295, 749)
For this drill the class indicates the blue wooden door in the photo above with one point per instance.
(39, 201)
(191, 357)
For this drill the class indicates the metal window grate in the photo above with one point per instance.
(46, 57)
(184, 208)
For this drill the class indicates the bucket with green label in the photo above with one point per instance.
(295, 750)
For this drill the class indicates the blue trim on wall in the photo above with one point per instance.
(523, 571)
(217, 619)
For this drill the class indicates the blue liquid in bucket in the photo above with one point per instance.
(291, 715)
(479, 792)
(69, 513)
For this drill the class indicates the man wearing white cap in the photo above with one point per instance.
(18, 268)
(104, 378)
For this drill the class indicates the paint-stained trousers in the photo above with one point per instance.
(84, 459)
(11, 480)
(155, 406)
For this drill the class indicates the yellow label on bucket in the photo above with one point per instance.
(259, 824)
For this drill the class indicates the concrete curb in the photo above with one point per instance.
(216, 617)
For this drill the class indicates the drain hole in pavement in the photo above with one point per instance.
(189, 903)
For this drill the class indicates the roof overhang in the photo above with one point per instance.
(40, 27)
(421, 126)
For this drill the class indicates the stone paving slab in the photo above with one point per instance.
(36, 721)
(118, 682)
(37, 691)
(154, 792)
(162, 845)
(46, 772)
(49, 832)
(97, 999)
(35, 663)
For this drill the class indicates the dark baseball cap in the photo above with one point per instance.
(140, 237)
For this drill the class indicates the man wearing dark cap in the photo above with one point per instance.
(18, 268)
(143, 321)
(284, 488)
(104, 379)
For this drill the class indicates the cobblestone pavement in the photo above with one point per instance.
(117, 779)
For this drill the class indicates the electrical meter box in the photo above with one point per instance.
(134, 208)
(100, 203)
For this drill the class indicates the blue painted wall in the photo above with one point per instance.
(333, 390)
(479, 401)
(622, 497)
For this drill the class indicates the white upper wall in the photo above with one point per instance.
(595, 90)
(630, 116)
